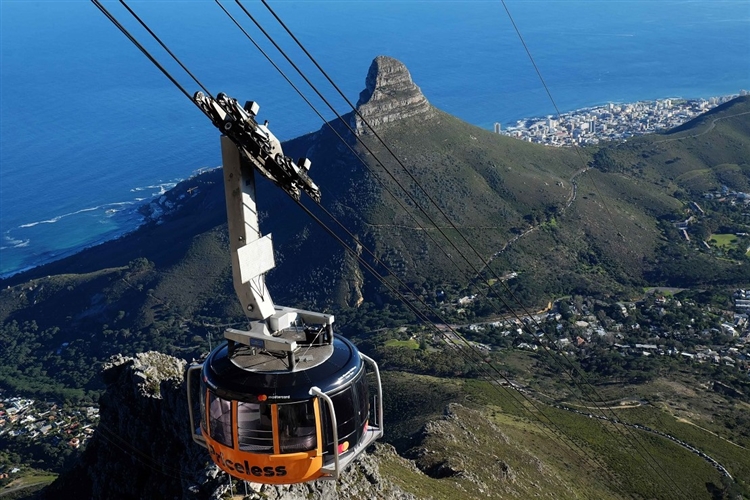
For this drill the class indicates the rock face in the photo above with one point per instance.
(456, 446)
(389, 96)
(142, 448)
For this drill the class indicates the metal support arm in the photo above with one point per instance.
(252, 253)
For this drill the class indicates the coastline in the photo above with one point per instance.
(612, 121)
(139, 214)
(583, 126)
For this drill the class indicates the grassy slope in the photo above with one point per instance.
(711, 150)
(487, 184)
(493, 445)
(491, 187)
(26, 485)
(610, 233)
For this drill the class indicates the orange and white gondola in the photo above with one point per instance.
(286, 401)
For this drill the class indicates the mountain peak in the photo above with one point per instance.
(389, 95)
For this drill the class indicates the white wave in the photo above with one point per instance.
(59, 217)
(14, 242)
(142, 188)
(113, 208)
(162, 187)
(106, 207)
(103, 213)
(120, 203)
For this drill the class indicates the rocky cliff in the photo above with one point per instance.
(389, 96)
(142, 447)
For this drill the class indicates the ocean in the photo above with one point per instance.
(90, 129)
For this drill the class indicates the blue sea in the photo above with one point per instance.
(90, 129)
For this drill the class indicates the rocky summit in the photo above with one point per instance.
(389, 96)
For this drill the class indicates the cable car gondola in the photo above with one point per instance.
(287, 401)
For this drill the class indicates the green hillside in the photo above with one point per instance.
(165, 284)
(486, 440)
(597, 221)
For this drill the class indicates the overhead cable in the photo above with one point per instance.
(164, 71)
(140, 47)
(426, 193)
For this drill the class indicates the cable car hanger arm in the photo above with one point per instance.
(257, 144)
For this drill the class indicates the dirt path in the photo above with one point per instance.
(686, 421)
(23, 484)
(636, 404)
(571, 198)
(645, 428)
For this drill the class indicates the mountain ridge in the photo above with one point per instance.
(513, 200)
(481, 191)
(597, 224)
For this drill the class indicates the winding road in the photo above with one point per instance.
(644, 428)
(709, 129)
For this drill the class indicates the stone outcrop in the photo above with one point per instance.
(142, 448)
(389, 96)
(456, 446)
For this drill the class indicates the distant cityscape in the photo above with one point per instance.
(611, 122)
(37, 422)
(643, 328)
